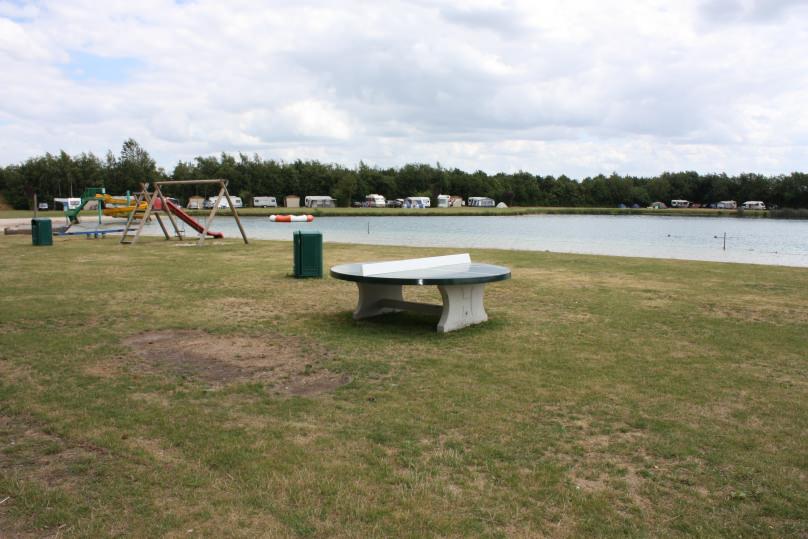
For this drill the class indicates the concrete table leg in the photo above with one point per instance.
(370, 296)
(462, 306)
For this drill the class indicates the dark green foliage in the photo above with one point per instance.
(61, 176)
(52, 176)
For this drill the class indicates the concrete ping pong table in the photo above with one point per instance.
(460, 282)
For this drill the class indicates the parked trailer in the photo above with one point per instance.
(264, 202)
(753, 205)
(196, 203)
(319, 201)
(417, 202)
(482, 202)
(68, 203)
(237, 202)
(375, 201)
(450, 201)
(680, 203)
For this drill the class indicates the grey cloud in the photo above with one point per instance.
(506, 22)
(750, 11)
(409, 81)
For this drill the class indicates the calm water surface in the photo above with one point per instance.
(760, 241)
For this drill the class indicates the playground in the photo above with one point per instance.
(150, 390)
(140, 208)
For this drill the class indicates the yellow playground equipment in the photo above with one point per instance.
(120, 206)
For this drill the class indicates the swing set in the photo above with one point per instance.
(158, 204)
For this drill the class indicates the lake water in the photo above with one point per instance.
(759, 241)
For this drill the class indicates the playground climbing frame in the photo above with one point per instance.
(157, 203)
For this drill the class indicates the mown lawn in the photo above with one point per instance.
(164, 390)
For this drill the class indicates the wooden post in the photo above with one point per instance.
(212, 215)
(138, 200)
(164, 203)
(235, 213)
(151, 199)
(146, 215)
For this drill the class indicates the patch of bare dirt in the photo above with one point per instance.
(291, 365)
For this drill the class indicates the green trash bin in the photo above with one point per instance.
(41, 231)
(308, 246)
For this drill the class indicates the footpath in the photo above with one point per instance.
(22, 225)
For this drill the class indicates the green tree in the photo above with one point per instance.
(345, 188)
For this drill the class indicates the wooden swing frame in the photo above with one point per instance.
(150, 198)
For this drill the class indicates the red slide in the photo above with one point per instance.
(190, 221)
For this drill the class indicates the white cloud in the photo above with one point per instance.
(576, 87)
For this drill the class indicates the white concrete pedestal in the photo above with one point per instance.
(462, 304)
(373, 299)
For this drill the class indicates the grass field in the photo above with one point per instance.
(166, 390)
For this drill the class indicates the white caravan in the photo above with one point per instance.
(223, 202)
(68, 203)
(319, 202)
(265, 202)
(482, 202)
(417, 202)
(753, 205)
(375, 201)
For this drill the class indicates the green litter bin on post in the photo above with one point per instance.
(41, 231)
(308, 246)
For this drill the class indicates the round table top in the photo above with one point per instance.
(455, 274)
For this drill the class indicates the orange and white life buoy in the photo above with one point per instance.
(291, 218)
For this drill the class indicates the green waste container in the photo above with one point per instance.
(308, 246)
(41, 231)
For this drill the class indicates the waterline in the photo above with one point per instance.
(758, 241)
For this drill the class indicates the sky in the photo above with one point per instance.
(572, 87)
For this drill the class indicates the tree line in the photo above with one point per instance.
(63, 175)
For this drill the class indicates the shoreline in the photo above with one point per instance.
(25, 215)
(489, 212)
(502, 249)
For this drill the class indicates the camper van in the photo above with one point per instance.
(223, 202)
(481, 202)
(753, 205)
(375, 201)
(319, 202)
(417, 202)
(196, 203)
(264, 202)
(680, 204)
(449, 201)
(68, 203)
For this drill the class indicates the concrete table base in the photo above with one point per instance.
(462, 304)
